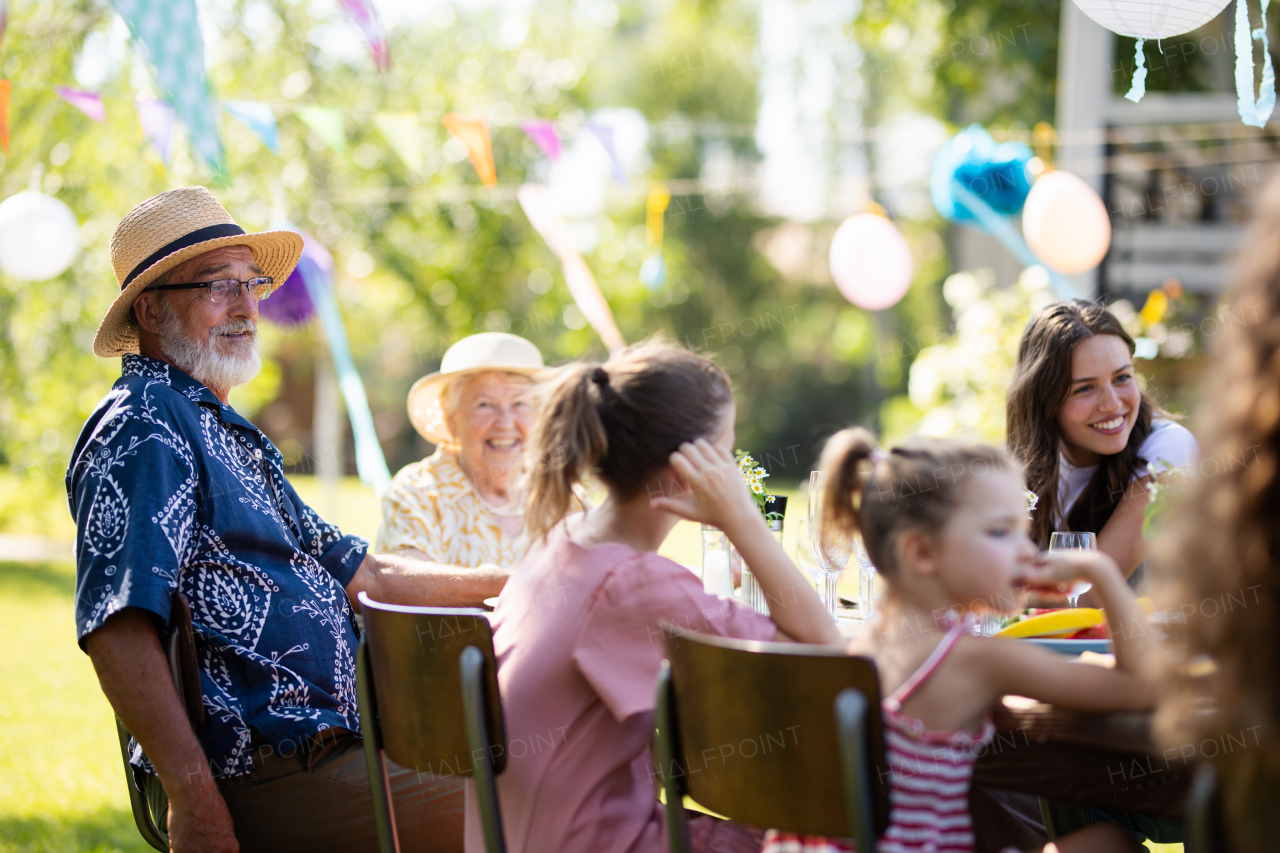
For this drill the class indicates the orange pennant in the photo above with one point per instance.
(473, 132)
(4, 115)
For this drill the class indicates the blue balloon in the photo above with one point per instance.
(997, 174)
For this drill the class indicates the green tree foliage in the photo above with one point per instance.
(424, 260)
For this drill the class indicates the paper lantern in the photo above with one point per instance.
(39, 236)
(1065, 223)
(1152, 19)
(870, 261)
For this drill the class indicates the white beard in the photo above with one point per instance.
(201, 360)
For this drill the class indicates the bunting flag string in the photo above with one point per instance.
(582, 284)
(403, 133)
(4, 115)
(157, 119)
(89, 103)
(259, 118)
(473, 132)
(326, 123)
(365, 16)
(604, 133)
(543, 134)
(169, 33)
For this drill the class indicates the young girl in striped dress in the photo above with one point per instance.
(946, 524)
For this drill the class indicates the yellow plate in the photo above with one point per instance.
(1055, 624)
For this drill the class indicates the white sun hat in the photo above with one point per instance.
(488, 351)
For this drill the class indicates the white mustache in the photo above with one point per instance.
(234, 327)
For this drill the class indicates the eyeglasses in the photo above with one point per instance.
(226, 289)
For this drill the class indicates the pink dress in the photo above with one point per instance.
(578, 641)
(929, 778)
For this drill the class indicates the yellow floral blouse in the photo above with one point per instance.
(432, 506)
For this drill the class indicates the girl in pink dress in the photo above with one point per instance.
(577, 629)
(946, 525)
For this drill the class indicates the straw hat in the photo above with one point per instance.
(166, 230)
(475, 354)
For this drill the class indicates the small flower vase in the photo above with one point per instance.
(752, 594)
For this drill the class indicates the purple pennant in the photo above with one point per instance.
(290, 303)
(604, 133)
(364, 14)
(157, 119)
(543, 134)
(89, 103)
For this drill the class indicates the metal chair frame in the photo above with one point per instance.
(467, 715)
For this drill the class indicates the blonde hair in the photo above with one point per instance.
(913, 487)
(619, 421)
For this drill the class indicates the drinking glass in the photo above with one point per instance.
(866, 582)
(806, 561)
(831, 553)
(1074, 542)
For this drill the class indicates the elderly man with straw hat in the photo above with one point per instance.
(174, 492)
(457, 507)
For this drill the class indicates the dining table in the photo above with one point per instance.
(1110, 760)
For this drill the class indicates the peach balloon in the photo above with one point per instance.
(1065, 223)
(871, 261)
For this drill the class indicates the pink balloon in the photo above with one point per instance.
(871, 262)
(1065, 223)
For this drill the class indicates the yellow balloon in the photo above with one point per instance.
(1065, 223)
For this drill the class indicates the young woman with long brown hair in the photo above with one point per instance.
(577, 629)
(1220, 563)
(1089, 439)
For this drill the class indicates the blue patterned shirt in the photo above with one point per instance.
(171, 489)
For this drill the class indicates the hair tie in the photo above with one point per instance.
(878, 455)
(600, 376)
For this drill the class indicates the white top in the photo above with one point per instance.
(1169, 445)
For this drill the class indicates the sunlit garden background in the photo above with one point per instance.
(768, 122)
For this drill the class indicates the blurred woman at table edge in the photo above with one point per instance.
(457, 507)
(578, 633)
(1220, 560)
(1089, 439)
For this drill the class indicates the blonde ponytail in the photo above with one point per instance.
(841, 466)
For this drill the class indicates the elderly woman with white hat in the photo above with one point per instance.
(456, 507)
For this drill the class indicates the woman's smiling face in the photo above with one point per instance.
(1102, 402)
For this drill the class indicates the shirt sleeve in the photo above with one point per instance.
(1169, 445)
(409, 519)
(132, 492)
(340, 554)
(619, 649)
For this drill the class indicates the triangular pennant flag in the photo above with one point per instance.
(473, 132)
(582, 284)
(169, 32)
(543, 134)
(89, 103)
(403, 133)
(157, 119)
(259, 118)
(604, 133)
(326, 123)
(4, 115)
(365, 16)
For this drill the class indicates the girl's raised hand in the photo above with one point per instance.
(1056, 571)
(713, 491)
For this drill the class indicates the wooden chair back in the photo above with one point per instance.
(756, 732)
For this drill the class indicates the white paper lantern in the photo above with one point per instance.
(871, 261)
(1065, 223)
(1152, 19)
(39, 236)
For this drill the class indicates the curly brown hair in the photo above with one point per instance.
(1220, 562)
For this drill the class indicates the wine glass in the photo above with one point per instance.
(831, 554)
(1074, 542)
(805, 558)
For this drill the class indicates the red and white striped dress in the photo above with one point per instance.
(929, 779)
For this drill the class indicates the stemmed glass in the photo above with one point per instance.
(831, 554)
(1074, 542)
